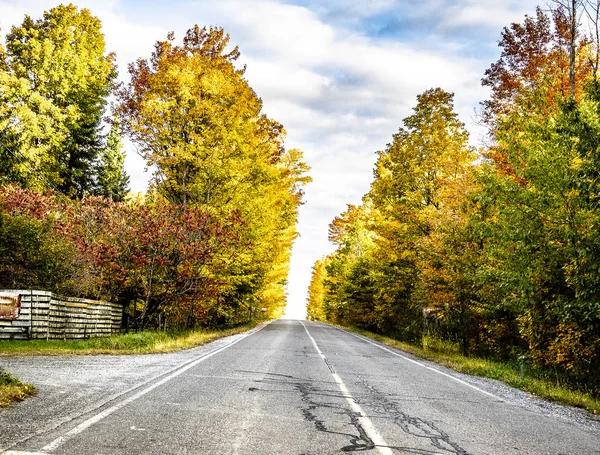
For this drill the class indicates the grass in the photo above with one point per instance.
(533, 381)
(146, 342)
(12, 390)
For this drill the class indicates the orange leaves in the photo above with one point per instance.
(534, 59)
(27, 202)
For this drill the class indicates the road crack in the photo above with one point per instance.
(317, 401)
(416, 427)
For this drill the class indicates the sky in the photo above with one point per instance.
(339, 74)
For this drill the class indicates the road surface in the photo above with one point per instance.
(289, 387)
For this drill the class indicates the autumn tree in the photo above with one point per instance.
(33, 254)
(592, 13)
(32, 132)
(535, 66)
(391, 245)
(156, 259)
(36, 252)
(416, 181)
(539, 191)
(196, 119)
(498, 254)
(349, 285)
(544, 234)
(316, 292)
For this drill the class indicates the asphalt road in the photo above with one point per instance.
(289, 387)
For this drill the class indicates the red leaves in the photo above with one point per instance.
(26, 202)
(153, 252)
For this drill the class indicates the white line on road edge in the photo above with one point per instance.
(366, 423)
(98, 417)
(421, 364)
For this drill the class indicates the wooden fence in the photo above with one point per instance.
(31, 314)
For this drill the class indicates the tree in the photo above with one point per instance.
(197, 120)
(32, 133)
(32, 254)
(546, 244)
(35, 251)
(156, 259)
(390, 244)
(316, 292)
(418, 181)
(592, 11)
(57, 65)
(539, 64)
(112, 180)
(570, 10)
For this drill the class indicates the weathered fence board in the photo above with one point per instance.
(31, 314)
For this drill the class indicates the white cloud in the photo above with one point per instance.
(491, 14)
(360, 8)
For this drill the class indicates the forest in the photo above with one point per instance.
(209, 242)
(494, 248)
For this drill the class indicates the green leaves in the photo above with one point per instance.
(54, 81)
(112, 181)
(500, 256)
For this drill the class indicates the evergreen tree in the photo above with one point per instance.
(112, 180)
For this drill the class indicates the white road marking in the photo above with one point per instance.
(422, 365)
(18, 452)
(98, 417)
(380, 443)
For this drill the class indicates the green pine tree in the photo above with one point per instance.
(112, 180)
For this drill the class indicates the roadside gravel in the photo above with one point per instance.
(70, 386)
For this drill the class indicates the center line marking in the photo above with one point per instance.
(98, 417)
(380, 444)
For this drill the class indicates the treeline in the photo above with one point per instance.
(496, 249)
(210, 241)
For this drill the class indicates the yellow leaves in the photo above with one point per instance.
(571, 347)
(195, 117)
(572, 194)
(33, 128)
(65, 50)
(53, 80)
(589, 113)
(206, 119)
(316, 291)
(576, 163)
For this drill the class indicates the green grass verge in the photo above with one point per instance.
(448, 355)
(146, 342)
(12, 390)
